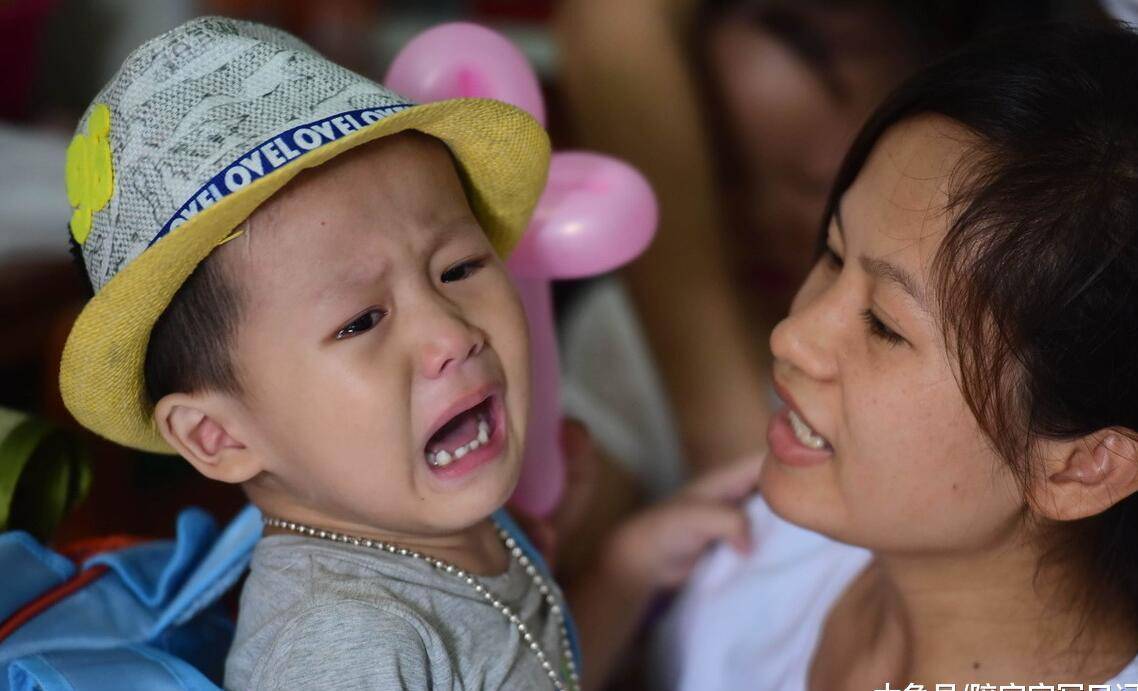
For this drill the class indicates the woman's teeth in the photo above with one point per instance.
(443, 458)
(804, 434)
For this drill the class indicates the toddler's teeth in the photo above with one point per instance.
(441, 459)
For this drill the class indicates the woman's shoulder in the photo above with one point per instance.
(755, 616)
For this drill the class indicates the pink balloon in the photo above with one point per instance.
(542, 481)
(459, 60)
(595, 214)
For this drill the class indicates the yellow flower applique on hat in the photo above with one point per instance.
(90, 179)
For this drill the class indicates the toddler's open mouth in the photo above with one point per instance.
(463, 434)
(469, 438)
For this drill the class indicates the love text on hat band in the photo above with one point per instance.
(274, 153)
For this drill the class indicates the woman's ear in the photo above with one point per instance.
(205, 429)
(1089, 475)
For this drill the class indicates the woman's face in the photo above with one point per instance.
(902, 464)
(790, 127)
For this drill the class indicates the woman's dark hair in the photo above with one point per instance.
(1036, 281)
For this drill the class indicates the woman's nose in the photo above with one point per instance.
(809, 338)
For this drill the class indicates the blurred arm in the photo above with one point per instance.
(630, 93)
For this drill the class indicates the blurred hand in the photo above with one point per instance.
(657, 548)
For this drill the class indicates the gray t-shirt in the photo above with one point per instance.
(318, 615)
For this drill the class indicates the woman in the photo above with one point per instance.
(950, 491)
(738, 112)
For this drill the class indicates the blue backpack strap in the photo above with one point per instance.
(110, 669)
(163, 595)
(217, 571)
(203, 565)
(30, 569)
(503, 519)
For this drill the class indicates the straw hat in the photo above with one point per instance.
(200, 126)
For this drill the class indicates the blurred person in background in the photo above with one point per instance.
(739, 113)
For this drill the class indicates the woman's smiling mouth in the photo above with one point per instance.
(791, 438)
(805, 434)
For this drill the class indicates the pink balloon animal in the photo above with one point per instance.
(596, 214)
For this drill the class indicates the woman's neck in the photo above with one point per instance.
(991, 616)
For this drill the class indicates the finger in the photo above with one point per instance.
(706, 522)
(730, 482)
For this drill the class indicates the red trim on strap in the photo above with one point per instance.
(78, 552)
(22, 615)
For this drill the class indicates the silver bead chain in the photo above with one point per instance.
(574, 681)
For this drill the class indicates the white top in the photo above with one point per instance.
(753, 622)
(609, 382)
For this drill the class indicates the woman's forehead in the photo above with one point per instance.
(901, 197)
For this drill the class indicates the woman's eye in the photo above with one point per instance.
(360, 324)
(462, 271)
(832, 259)
(880, 330)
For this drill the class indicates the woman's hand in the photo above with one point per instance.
(653, 551)
(657, 548)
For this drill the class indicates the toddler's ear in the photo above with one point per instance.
(1089, 475)
(205, 429)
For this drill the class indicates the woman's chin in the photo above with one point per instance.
(801, 500)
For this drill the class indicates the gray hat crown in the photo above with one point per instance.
(202, 111)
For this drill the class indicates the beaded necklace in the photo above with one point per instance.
(569, 667)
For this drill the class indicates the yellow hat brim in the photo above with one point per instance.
(503, 159)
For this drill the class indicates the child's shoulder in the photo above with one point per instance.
(316, 567)
(297, 583)
(291, 574)
(310, 615)
(380, 643)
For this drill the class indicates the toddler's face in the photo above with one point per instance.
(382, 351)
